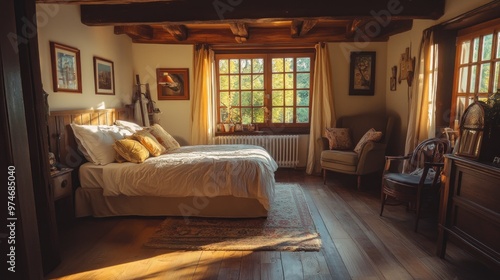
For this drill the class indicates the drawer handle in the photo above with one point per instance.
(64, 184)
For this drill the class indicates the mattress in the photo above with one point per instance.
(243, 171)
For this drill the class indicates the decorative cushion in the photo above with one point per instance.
(150, 142)
(130, 126)
(339, 138)
(131, 150)
(370, 135)
(95, 142)
(163, 137)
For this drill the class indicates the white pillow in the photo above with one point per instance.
(131, 126)
(95, 142)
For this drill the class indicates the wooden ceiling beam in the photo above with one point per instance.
(277, 35)
(178, 31)
(197, 11)
(240, 31)
(301, 27)
(135, 31)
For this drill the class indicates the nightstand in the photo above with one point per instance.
(62, 194)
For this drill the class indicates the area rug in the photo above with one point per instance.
(288, 227)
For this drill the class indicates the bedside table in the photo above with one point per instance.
(62, 194)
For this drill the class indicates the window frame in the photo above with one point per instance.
(267, 55)
(469, 34)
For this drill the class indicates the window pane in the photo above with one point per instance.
(278, 116)
(235, 115)
(464, 56)
(288, 115)
(258, 115)
(278, 98)
(289, 64)
(246, 65)
(288, 97)
(498, 45)
(475, 51)
(277, 81)
(246, 82)
(461, 105)
(302, 115)
(303, 98)
(303, 80)
(223, 115)
(246, 98)
(277, 65)
(258, 98)
(224, 98)
(235, 98)
(234, 82)
(484, 78)
(258, 65)
(472, 88)
(223, 66)
(496, 85)
(462, 83)
(234, 66)
(487, 42)
(258, 82)
(224, 82)
(289, 80)
(246, 115)
(303, 64)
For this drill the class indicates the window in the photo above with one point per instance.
(477, 66)
(270, 89)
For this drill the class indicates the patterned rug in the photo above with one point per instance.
(288, 227)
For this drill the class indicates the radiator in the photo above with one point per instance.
(283, 148)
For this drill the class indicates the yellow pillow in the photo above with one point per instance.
(165, 139)
(150, 142)
(130, 150)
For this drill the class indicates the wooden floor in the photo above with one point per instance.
(357, 244)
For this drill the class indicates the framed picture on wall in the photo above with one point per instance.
(104, 76)
(66, 68)
(362, 73)
(172, 83)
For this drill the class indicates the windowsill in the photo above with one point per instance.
(267, 131)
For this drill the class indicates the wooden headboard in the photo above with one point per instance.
(61, 138)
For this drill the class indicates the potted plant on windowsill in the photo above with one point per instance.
(231, 118)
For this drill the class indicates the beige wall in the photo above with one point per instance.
(61, 24)
(344, 103)
(397, 101)
(176, 114)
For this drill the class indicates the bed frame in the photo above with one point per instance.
(91, 202)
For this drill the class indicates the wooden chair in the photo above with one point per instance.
(420, 184)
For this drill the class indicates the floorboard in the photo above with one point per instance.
(357, 243)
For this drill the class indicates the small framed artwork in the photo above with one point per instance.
(172, 84)
(66, 68)
(394, 70)
(104, 76)
(362, 73)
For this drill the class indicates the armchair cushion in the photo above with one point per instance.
(410, 179)
(370, 135)
(339, 138)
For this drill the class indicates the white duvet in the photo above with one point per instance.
(204, 170)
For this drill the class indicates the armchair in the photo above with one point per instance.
(371, 157)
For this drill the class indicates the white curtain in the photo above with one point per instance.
(422, 107)
(202, 97)
(322, 111)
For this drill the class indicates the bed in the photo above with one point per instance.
(230, 181)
